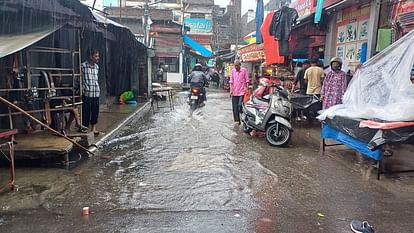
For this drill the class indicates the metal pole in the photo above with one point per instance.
(146, 23)
(120, 11)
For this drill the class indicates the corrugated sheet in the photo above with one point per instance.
(13, 43)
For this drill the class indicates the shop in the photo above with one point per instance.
(352, 34)
(307, 38)
(402, 18)
(252, 56)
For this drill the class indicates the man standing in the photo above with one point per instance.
(91, 91)
(239, 80)
(334, 85)
(300, 78)
(314, 77)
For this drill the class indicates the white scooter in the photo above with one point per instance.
(270, 114)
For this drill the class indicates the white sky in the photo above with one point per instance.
(246, 4)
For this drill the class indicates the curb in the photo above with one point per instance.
(139, 112)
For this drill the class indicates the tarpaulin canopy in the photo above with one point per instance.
(102, 19)
(251, 38)
(381, 88)
(203, 51)
(13, 43)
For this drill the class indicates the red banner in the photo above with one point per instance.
(401, 8)
(202, 39)
(303, 7)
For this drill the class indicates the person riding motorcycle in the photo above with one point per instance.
(197, 78)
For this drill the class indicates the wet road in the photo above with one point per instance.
(183, 172)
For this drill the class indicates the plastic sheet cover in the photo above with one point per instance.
(381, 89)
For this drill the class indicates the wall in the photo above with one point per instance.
(352, 30)
(174, 78)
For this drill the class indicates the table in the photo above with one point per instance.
(367, 141)
(159, 90)
(8, 134)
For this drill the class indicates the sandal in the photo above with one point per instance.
(97, 133)
(83, 129)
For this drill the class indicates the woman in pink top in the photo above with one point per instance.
(239, 80)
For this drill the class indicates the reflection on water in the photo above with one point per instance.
(186, 161)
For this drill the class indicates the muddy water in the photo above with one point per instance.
(178, 171)
(175, 171)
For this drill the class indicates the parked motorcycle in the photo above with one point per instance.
(270, 114)
(196, 98)
(309, 105)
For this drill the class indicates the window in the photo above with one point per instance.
(172, 63)
(198, 15)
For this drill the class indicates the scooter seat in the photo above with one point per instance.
(260, 101)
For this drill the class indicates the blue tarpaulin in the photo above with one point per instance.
(331, 133)
(203, 51)
(319, 9)
(364, 49)
(259, 21)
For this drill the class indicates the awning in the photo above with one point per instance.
(250, 38)
(105, 20)
(203, 51)
(13, 43)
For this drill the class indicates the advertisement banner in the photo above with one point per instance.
(198, 25)
(253, 52)
(303, 7)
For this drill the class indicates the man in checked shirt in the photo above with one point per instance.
(91, 91)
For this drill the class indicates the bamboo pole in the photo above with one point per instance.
(44, 125)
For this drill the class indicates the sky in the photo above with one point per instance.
(246, 4)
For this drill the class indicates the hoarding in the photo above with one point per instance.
(198, 25)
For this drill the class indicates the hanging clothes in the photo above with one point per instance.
(281, 26)
(319, 9)
(270, 45)
(259, 21)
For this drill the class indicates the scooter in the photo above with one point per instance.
(270, 114)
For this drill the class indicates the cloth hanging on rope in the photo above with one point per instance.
(259, 21)
(282, 22)
(270, 45)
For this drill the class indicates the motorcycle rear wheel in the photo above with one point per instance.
(193, 105)
(278, 135)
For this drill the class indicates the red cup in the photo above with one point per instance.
(85, 211)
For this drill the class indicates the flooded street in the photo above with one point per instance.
(177, 171)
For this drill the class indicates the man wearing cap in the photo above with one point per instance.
(239, 79)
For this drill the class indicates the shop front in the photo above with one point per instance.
(307, 38)
(252, 56)
(352, 34)
(352, 31)
(402, 18)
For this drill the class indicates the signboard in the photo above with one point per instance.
(198, 25)
(202, 39)
(303, 7)
(253, 52)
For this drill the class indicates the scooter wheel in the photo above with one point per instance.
(278, 135)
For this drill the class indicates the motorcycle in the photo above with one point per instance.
(309, 105)
(270, 114)
(196, 98)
